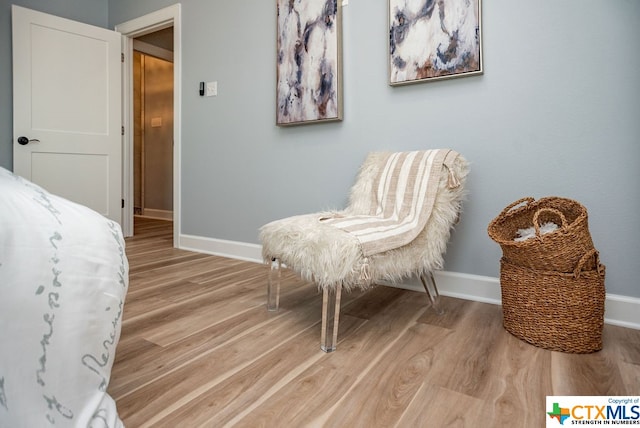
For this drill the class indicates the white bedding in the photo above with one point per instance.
(63, 280)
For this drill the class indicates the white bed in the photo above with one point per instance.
(63, 280)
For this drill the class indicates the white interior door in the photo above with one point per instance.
(67, 106)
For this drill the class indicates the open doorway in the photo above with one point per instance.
(169, 17)
(153, 125)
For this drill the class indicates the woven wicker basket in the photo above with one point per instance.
(553, 310)
(556, 251)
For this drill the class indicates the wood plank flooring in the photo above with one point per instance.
(199, 349)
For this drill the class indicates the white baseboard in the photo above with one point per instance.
(478, 288)
(221, 247)
(158, 214)
(623, 311)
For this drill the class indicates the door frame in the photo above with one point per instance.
(158, 20)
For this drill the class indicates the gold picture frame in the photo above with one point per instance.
(308, 62)
(434, 39)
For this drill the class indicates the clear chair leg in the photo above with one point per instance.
(273, 286)
(429, 284)
(330, 318)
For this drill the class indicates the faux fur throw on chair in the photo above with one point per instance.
(401, 210)
(405, 192)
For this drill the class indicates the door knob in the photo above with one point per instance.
(24, 140)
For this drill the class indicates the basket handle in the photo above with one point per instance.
(584, 259)
(527, 200)
(536, 223)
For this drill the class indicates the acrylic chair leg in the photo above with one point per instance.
(273, 286)
(330, 317)
(429, 284)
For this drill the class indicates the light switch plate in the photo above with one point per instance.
(211, 89)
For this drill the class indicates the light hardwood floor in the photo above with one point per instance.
(198, 348)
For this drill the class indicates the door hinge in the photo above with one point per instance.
(121, 56)
(122, 131)
(122, 203)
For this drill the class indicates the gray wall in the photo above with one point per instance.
(556, 113)
(89, 11)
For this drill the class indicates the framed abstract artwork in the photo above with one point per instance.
(434, 39)
(309, 62)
